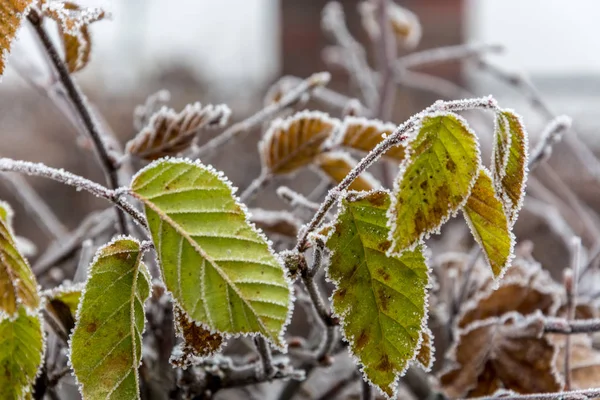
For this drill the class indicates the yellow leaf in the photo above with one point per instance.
(11, 14)
(336, 165)
(364, 134)
(295, 142)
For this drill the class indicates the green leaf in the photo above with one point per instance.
(106, 344)
(435, 179)
(21, 353)
(218, 267)
(17, 282)
(509, 161)
(6, 213)
(63, 302)
(380, 299)
(485, 216)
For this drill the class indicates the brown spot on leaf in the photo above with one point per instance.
(91, 327)
(378, 198)
(383, 273)
(362, 340)
(451, 165)
(384, 246)
(424, 184)
(384, 364)
(384, 299)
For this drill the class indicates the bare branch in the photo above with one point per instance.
(551, 135)
(572, 395)
(445, 54)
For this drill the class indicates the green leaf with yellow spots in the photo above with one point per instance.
(106, 344)
(219, 268)
(489, 225)
(509, 161)
(380, 299)
(435, 179)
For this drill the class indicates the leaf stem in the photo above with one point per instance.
(257, 184)
(78, 100)
(561, 325)
(445, 54)
(308, 85)
(266, 358)
(70, 179)
(397, 137)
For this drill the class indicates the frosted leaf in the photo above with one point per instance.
(11, 15)
(405, 24)
(336, 165)
(364, 134)
(169, 132)
(154, 102)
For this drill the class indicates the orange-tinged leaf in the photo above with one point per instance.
(509, 161)
(405, 24)
(364, 134)
(169, 133)
(77, 49)
(425, 357)
(485, 216)
(336, 165)
(294, 142)
(11, 14)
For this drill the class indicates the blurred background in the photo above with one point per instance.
(231, 51)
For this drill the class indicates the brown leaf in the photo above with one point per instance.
(278, 222)
(425, 357)
(405, 24)
(197, 341)
(77, 49)
(294, 142)
(169, 133)
(364, 134)
(584, 362)
(510, 352)
(11, 14)
(337, 164)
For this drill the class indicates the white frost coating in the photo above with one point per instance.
(505, 147)
(280, 127)
(405, 23)
(360, 125)
(142, 268)
(221, 176)
(451, 212)
(352, 196)
(154, 102)
(552, 134)
(71, 20)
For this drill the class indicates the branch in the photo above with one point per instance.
(561, 325)
(257, 184)
(307, 86)
(70, 179)
(398, 136)
(551, 135)
(445, 54)
(79, 101)
(295, 199)
(571, 395)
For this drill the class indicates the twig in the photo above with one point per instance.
(41, 212)
(307, 86)
(295, 199)
(82, 108)
(70, 179)
(255, 186)
(333, 21)
(317, 257)
(431, 83)
(571, 395)
(265, 356)
(399, 135)
(60, 331)
(561, 325)
(445, 54)
(551, 135)
(340, 386)
(570, 283)
(366, 390)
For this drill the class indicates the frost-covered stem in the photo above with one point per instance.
(246, 375)
(431, 83)
(80, 103)
(296, 199)
(264, 351)
(445, 54)
(570, 395)
(41, 212)
(70, 179)
(333, 21)
(317, 300)
(317, 257)
(59, 330)
(306, 86)
(551, 135)
(570, 282)
(366, 391)
(586, 157)
(257, 184)
(398, 136)
(561, 325)
(57, 376)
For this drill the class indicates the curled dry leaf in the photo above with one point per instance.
(294, 142)
(277, 222)
(11, 14)
(489, 225)
(405, 24)
(197, 340)
(510, 352)
(143, 112)
(169, 133)
(337, 164)
(364, 134)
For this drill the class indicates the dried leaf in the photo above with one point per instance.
(142, 113)
(337, 164)
(485, 216)
(510, 352)
(277, 222)
(169, 132)
(218, 267)
(584, 361)
(435, 180)
(380, 300)
(106, 344)
(405, 24)
(509, 162)
(364, 134)
(294, 142)
(425, 357)
(11, 14)
(197, 340)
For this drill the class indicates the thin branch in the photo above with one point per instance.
(296, 199)
(80, 103)
(445, 54)
(333, 21)
(70, 179)
(571, 395)
(431, 83)
(386, 47)
(398, 136)
(561, 325)
(307, 86)
(59, 330)
(42, 214)
(340, 386)
(265, 356)
(570, 283)
(255, 186)
(366, 390)
(551, 135)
